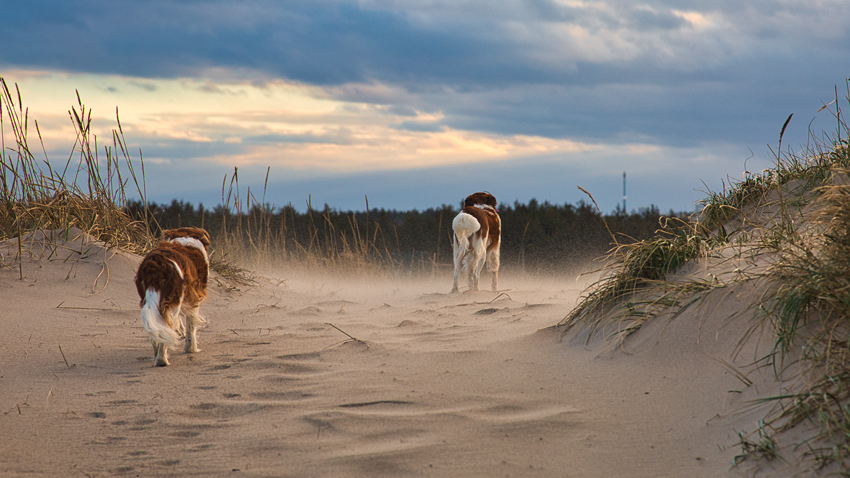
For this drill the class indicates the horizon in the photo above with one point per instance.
(276, 208)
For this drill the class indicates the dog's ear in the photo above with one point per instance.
(205, 238)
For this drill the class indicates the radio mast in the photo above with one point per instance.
(624, 192)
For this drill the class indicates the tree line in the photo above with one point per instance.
(535, 236)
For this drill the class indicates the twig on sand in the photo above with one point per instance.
(63, 356)
(478, 302)
(348, 335)
(60, 306)
(104, 268)
(502, 294)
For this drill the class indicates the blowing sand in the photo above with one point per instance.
(330, 376)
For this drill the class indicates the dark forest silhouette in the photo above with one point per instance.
(535, 236)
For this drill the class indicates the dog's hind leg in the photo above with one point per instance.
(193, 321)
(179, 325)
(161, 349)
(160, 354)
(493, 266)
(457, 271)
(458, 254)
(471, 263)
(479, 266)
(476, 264)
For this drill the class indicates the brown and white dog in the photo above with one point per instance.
(476, 239)
(172, 279)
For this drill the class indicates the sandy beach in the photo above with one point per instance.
(325, 375)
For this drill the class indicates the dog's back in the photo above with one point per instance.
(482, 223)
(173, 270)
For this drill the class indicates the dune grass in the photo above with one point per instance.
(90, 192)
(85, 193)
(614, 304)
(795, 218)
(809, 310)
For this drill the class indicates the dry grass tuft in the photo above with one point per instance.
(247, 234)
(795, 219)
(88, 193)
(809, 309)
(638, 288)
(85, 194)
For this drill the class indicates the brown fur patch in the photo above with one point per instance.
(491, 225)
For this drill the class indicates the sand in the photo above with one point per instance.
(344, 376)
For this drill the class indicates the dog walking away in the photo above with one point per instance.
(172, 282)
(476, 239)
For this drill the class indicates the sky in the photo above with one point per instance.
(415, 104)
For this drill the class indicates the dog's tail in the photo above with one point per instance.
(464, 226)
(153, 322)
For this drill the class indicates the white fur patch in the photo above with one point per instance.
(192, 242)
(465, 224)
(176, 266)
(152, 297)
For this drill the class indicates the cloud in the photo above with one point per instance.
(146, 86)
(419, 126)
(462, 44)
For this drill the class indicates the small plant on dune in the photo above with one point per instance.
(788, 185)
(764, 446)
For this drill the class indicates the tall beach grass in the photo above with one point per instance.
(787, 229)
(90, 192)
(86, 192)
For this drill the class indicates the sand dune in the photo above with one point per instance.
(329, 376)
